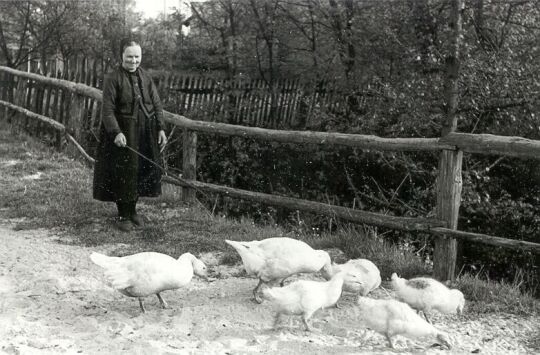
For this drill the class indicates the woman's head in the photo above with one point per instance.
(131, 55)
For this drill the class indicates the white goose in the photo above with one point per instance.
(426, 294)
(391, 318)
(276, 259)
(305, 297)
(149, 273)
(364, 270)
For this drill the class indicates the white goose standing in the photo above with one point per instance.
(305, 297)
(149, 273)
(426, 294)
(274, 259)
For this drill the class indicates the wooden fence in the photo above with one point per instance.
(67, 107)
(79, 69)
(287, 104)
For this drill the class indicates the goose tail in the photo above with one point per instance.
(236, 245)
(242, 249)
(102, 260)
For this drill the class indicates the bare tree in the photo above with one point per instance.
(15, 20)
(223, 17)
(342, 23)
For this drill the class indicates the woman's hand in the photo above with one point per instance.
(120, 140)
(162, 139)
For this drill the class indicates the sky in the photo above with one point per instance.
(152, 8)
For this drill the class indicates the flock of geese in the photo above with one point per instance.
(274, 260)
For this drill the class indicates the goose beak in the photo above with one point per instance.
(444, 340)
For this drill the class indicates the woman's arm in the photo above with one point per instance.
(108, 107)
(158, 107)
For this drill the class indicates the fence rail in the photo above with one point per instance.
(75, 106)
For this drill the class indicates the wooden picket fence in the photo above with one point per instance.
(250, 102)
(78, 69)
(286, 104)
(73, 105)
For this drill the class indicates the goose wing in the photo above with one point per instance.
(143, 273)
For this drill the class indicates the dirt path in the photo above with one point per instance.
(54, 300)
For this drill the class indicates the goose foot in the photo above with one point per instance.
(258, 298)
(306, 324)
(277, 320)
(162, 301)
(142, 305)
(390, 342)
(425, 316)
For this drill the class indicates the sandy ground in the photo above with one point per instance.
(54, 300)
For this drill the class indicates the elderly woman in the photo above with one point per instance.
(131, 123)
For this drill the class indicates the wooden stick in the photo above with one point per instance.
(80, 149)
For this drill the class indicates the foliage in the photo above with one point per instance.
(46, 29)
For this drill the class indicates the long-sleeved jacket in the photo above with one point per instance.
(119, 173)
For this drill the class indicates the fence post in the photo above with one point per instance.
(449, 182)
(189, 165)
(449, 186)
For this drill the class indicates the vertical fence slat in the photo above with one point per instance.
(296, 100)
(189, 164)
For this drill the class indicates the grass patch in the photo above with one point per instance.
(487, 296)
(61, 199)
(363, 242)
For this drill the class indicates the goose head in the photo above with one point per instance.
(323, 258)
(444, 340)
(458, 297)
(353, 279)
(199, 268)
(329, 270)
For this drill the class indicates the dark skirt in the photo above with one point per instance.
(121, 175)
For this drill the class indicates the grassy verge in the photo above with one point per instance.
(487, 296)
(42, 188)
